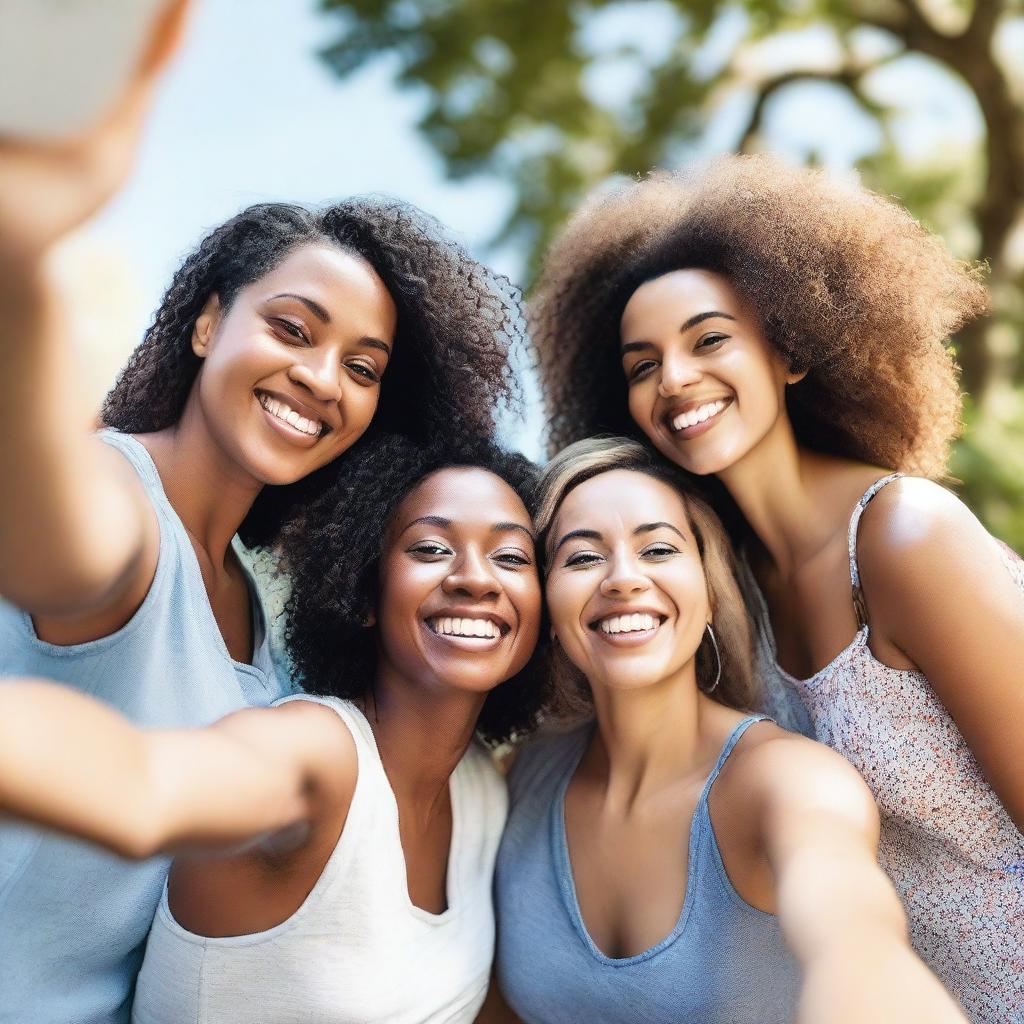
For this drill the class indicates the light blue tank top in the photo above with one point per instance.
(73, 919)
(724, 962)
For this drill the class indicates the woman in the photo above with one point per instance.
(785, 334)
(267, 359)
(603, 914)
(375, 904)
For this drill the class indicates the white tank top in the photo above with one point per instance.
(357, 951)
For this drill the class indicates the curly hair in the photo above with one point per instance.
(847, 285)
(332, 555)
(737, 686)
(457, 323)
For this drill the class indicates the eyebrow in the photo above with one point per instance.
(446, 524)
(596, 534)
(632, 346)
(324, 317)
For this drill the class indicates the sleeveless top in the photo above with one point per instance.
(73, 918)
(948, 844)
(724, 962)
(357, 951)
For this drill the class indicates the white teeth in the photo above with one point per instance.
(638, 622)
(465, 627)
(698, 415)
(290, 416)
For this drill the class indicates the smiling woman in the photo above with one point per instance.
(676, 857)
(787, 334)
(285, 338)
(383, 813)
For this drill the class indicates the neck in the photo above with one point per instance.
(648, 737)
(774, 486)
(210, 493)
(421, 735)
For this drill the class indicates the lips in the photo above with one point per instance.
(695, 417)
(292, 415)
(467, 629)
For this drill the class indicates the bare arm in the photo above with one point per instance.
(77, 530)
(73, 764)
(839, 912)
(936, 586)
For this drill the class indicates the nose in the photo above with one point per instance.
(624, 577)
(319, 372)
(472, 577)
(678, 371)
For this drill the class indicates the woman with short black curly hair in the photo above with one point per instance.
(374, 815)
(119, 559)
(783, 334)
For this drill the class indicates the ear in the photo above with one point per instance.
(206, 326)
(795, 376)
(369, 620)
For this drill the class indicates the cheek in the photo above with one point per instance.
(640, 399)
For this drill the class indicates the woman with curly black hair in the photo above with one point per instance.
(785, 334)
(370, 899)
(275, 343)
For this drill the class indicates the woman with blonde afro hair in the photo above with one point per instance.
(783, 334)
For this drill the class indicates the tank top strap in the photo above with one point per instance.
(859, 605)
(733, 738)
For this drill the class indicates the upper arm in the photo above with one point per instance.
(120, 549)
(818, 825)
(935, 583)
(253, 772)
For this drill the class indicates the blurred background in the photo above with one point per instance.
(498, 115)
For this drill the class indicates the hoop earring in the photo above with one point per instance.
(718, 660)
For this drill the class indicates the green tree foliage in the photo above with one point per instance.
(556, 96)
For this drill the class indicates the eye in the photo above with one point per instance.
(581, 559)
(512, 558)
(293, 331)
(710, 340)
(367, 372)
(659, 551)
(640, 369)
(430, 550)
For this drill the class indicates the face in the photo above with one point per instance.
(704, 384)
(292, 371)
(460, 601)
(625, 588)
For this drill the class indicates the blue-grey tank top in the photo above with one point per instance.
(73, 919)
(724, 962)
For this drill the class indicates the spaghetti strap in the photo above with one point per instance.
(734, 738)
(859, 605)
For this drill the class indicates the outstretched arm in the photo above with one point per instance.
(937, 587)
(77, 530)
(839, 912)
(73, 764)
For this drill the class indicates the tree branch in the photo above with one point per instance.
(845, 76)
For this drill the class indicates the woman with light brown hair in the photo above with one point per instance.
(784, 335)
(675, 857)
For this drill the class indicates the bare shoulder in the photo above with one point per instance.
(305, 732)
(919, 547)
(913, 521)
(789, 773)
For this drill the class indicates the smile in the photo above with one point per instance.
(470, 633)
(628, 630)
(449, 626)
(695, 421)
(281, 411)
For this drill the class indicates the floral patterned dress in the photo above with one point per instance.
(948, 844)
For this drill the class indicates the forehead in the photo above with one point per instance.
(679, 294)
(621, 499)
(466, 495)
(344, 283)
